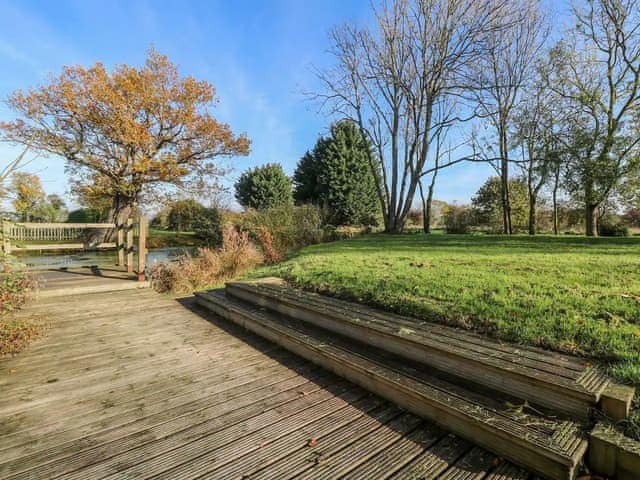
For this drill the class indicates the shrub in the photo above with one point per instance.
(487, 204)
(612, 229)
(237, 254)
(207, 226)
(183, 215)
(271, 255)
(264, 187)
(15, 289)
(86, 215)
(290, 227)
(332, 233)
(415, 217)
(458, 219)
(209, 266)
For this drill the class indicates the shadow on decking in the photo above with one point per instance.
(445, 450)
(89, 271)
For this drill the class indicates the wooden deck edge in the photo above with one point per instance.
(568, 402)
(116, 286)
(613, 454)
(615, 401)
(546, 462)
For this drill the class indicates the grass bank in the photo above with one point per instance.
(572, 294)
(166, 238)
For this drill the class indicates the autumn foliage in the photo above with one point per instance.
(128, 131)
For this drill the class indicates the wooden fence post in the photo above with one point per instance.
(129, 245)
(6, 238)
(142, 248)
(120, 244)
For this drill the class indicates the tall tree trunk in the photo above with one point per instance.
(590, 210)
(504, 187)
(532, 214)
(121, 209)
(555, 202)
(591, 220)
(428, 202)
(427, 225)
(504, 178)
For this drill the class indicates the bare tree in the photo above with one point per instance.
(535, 131)
(428, 200)
(443, 111)
(500, 77)
(389, 79)
(597, 75)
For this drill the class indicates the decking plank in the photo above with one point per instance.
(181, 459)
(129, 400)
(146, 415)
(133, 442)
(359, 452)
(393, 458)
(567, 384)
(238, 463)
(474, 465)
(538, 359)
(436, 460)
(213, 400)
(325, 446)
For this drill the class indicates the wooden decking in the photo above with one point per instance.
(76, 281)
(132, 384)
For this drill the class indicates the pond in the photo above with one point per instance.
(48, 260)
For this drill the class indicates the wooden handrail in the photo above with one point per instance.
(63, 225)
(124, 242)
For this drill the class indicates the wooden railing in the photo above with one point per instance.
(16, 234)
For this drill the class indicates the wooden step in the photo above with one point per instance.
(550, 447)
(565, 384)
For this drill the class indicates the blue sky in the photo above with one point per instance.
(258, 55)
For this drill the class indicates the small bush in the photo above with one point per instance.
(15, 287)
(208, 267)
(458, 219)
(207, 226)
(341, 233)
(271, 255)
(613, 229)
(290, 227)
(414, 217)
(184, 215)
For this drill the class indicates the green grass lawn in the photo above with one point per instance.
(571, 294)
(167, 238)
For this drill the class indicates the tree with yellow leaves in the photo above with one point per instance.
(126, 132)
(28, 195)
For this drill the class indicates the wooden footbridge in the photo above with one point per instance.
(129, 241)
(264, 382)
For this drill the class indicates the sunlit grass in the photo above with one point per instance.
(571, 294)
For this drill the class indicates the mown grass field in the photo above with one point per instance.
(573, 294)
